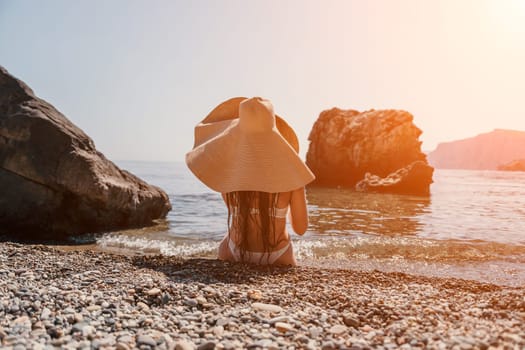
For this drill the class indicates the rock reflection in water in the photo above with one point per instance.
(340, 211)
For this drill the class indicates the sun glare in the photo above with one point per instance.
(508, 15)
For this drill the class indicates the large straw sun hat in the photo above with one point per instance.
(243, 146)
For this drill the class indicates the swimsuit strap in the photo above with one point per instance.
(279, 213)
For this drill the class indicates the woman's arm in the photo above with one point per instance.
(298, 211)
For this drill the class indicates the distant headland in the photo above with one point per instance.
(487, 151)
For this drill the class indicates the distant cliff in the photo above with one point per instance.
(483, 152)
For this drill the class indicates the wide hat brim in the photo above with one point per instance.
(226, 159)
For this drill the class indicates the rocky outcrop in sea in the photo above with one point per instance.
(515, 165)
(379, 149)
(54, 182)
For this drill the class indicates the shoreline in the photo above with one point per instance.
(498, 272)
(90, 299)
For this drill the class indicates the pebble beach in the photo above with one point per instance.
(53, 298)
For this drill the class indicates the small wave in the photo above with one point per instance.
(138, 245)
(315, 247)
(409, 248)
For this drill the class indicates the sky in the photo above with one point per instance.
(137, 76)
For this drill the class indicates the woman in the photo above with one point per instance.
(247, 153)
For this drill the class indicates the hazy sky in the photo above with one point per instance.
(138, 75)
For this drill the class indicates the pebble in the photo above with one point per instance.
(223, 321)
(210, 345)
(338, 329)
(328, 345)
(146, 340)
(184, 345)
(92, 308)
(153, 292)
(78, 317)
(279, 319)
(122, 346)
(263, 343)
(44, 315)
(351, 320)
(142, 306)
(88, 330)
(201, 300)
(315, 332)
(366, 328)
(371, 335)
(254, 294)
(267, 307)
(284, 327)
(77, 327)
(191, 302)
(218, 331)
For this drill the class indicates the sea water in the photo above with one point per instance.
(472, 226)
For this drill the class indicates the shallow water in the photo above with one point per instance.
(472, 226)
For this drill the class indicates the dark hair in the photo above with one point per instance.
(240, 205)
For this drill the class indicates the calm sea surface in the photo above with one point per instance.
(472, 226)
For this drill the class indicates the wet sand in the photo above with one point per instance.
(87, 299)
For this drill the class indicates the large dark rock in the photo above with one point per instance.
(346, 144)
(483, 152)
(54, 183)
